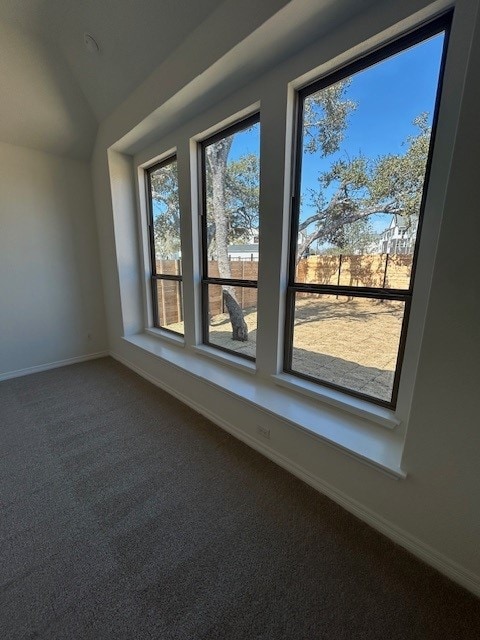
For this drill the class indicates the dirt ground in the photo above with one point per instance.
(350, 342)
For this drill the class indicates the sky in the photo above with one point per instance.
(389, 95)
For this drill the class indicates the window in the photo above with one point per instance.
(165, 248)
(364, 142)
(230, 243)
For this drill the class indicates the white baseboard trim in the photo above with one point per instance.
(430, 556)
(52, 365)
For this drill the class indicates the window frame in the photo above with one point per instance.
(154, 276)
(207, 280)
(401, 43)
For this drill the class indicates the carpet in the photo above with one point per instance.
(127, 515)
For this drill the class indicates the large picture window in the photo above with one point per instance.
(230, 238)
(165, 247)
(364, 142)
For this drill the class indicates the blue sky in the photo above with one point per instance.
(245, 143)
(389, 95)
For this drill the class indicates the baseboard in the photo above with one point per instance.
(51, 365)
(424, 552)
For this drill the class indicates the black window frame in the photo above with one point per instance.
(441, 24)
(207, 280)
(154, 275)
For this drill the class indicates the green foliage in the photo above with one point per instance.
(360, 187)
(397, 180)
(356, 237)
(243, 190)
(347, 195)
(239, 200)
(325, 117)
(166, 225)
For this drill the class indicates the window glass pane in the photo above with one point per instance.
(365, 147)
(390, 271)
(226, 327)
(170, 304)
(232, 191)
(241, 268)
(348, 341)
(166, 218)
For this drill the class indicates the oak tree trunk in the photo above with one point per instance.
(239, 326)
(217, 155)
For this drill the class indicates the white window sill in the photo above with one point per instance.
(380, 415)
(352, 431)
(166, 335)
(226, 358)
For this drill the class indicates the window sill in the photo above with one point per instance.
(226, 358)
(178, 340)
(362, 408)
(351, 432)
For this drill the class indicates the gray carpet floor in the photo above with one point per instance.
(126, 515)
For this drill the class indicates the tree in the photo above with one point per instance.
(243, 191)
(325, 118)
(232, 213)
(347, 195)
(166, 219)
(354, 189)
(216, 156)
(241, 195)
(232, 187)
(356, 237)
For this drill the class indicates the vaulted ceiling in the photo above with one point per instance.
(54, 92)
(133, 36)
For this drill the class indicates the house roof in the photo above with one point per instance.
(243, 248)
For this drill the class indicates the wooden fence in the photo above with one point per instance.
(391, 271)
(169, 292)
(378, 270)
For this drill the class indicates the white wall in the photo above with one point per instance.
(41, 105)
(435, 511)
(51, 306)
(443, 444)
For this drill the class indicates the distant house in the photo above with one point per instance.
(399, 237)
(243, 251)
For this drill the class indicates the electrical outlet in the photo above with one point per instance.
(263, 431)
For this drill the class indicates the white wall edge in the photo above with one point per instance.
(52, 365)
(424, 552)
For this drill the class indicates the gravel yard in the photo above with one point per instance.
(349, 341)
